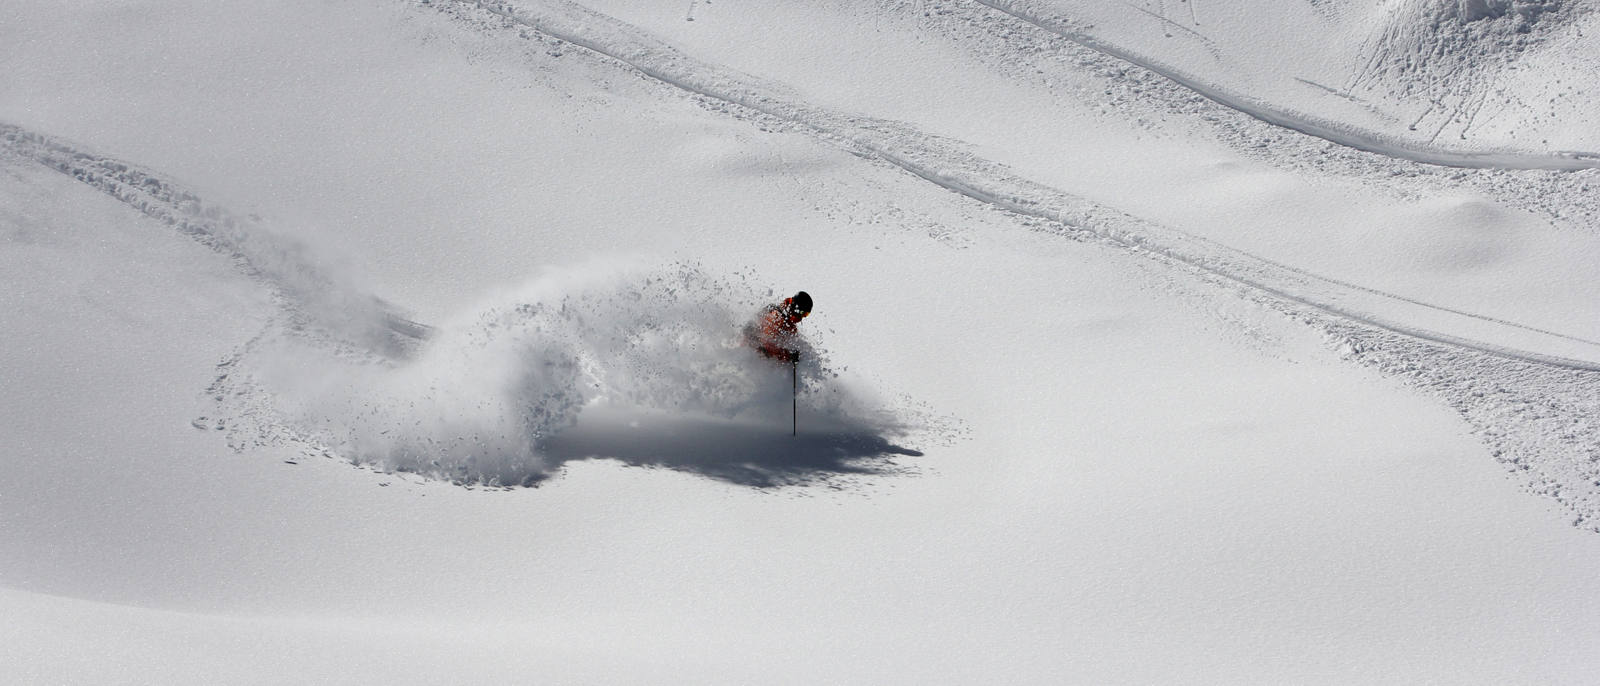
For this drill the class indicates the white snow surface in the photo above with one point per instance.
(1160, 341)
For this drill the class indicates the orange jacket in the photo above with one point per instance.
(774, 332)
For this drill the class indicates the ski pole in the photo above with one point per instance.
(794, 378)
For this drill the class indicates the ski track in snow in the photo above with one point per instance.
(309, 295)
(1302, 122)
(1566, 199)
(435, 402)
(944, 164)
(1532, 408)
(1490, 384)
(313, 303)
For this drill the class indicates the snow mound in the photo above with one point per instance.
(1497, 71)
(644, 365)
(1438, 48)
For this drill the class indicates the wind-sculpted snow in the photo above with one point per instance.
(645, 366)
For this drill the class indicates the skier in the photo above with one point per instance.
(774, 333)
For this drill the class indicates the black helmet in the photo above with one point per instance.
(801, 301)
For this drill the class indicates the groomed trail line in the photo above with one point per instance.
(937, 161)
(1031, 12)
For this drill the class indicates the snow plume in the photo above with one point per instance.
(646, 366)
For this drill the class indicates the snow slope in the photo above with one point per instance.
(1491, 83)
(1140, 401)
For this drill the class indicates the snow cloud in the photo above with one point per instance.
(643, 365)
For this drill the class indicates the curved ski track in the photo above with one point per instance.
(1533, 410)
(939, 162)
(307, 295)
(1310, 125)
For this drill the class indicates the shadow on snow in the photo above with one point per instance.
(743, 453)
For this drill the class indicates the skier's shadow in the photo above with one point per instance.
(748, 454)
